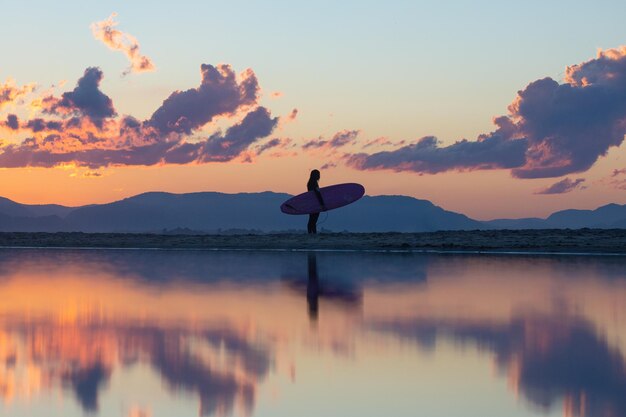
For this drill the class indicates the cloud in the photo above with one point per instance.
(12, 122)
(618, 172)
(10, 93)
(268, 145)
(381, 141)
(83, 129)
(38, 125)
(85, 100)
(339, 140)
(551, 129)
(278, 147)
(119, 41)
(224, 147)
(561, 187)
(220, 94)
(617, 179)
(426, 156)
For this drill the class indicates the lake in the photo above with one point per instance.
(138, 333)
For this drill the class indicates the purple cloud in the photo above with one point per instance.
(427, 156)
(551, 130)
(88, 133)
(219, 94)
(338, 140)
(27, 154)
(268, 145)
(38, 125)
(222, 148)
(561, 187)
(12, 122)
(85, 100)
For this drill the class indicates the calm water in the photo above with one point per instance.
(169, 333)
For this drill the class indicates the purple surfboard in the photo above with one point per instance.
(334, 196)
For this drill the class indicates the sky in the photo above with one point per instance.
(514, 109)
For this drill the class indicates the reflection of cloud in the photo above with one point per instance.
(548, 359)
(86, 382)
(82, 356)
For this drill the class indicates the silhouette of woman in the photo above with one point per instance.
(313, 185)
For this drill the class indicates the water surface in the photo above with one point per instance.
(200, 333)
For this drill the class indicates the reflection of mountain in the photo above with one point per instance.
(547, 358)
(82, 358)
(158, 267)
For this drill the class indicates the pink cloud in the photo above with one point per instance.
(564, 186)
(116, 40)
(339, 139)
(83, 128)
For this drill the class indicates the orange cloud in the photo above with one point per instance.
(119, 41)
(11, 93)
(82, 126)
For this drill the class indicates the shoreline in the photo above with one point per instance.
(538, 242)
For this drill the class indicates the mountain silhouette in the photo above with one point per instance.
(213, 212)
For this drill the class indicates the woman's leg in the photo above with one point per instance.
(312, 225)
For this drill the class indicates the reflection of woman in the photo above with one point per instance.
(313, 185)
(312, 287)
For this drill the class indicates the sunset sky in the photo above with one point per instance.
(508, 109)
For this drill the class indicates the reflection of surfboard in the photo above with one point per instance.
(334, 196)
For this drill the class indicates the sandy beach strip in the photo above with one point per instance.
(612, 241)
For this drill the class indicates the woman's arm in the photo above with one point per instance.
(317, 192)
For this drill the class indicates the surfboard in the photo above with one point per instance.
(334, 196)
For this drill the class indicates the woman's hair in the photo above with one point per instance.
(315, 175)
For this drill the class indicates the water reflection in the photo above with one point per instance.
(82, 357)
(548, 359)
(230, 333)
(337, 291)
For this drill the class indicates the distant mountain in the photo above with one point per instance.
(602, 218)
(11, 208)
(207, 212)
(605, 217)
(397, 214)
(211, 212)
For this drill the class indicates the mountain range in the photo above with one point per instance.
(212, 212)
